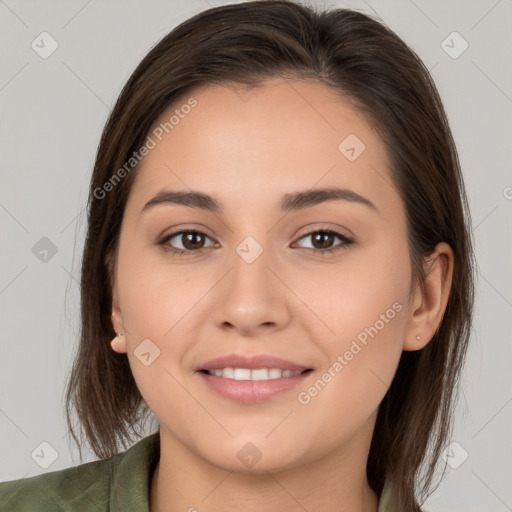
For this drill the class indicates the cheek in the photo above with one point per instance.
(151, 315)
(162, 306)
(156, 297)
(353, 294)
(362, 304)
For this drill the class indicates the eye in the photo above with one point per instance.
(323, 239)
(192, 240)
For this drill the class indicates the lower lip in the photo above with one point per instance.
(251, 391)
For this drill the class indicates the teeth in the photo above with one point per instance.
(274, 373)
(256, 374)
(242, 374)
(259, 374)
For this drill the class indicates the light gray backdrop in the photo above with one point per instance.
(53, 107)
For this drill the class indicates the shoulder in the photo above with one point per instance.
(68, 489)
(118, 483)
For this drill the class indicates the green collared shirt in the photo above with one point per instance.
(121, 483)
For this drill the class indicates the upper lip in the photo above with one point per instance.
(251, 362)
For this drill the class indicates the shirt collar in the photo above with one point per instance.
(385, 503)
(131, 476)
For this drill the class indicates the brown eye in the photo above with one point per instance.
(323, 239)
(190, 240)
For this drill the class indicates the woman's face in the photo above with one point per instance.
(260, 280)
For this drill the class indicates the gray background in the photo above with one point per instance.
(52, 113)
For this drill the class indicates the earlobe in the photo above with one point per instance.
(118, 343)
(430, 298)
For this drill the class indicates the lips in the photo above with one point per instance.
(232, 383)
(251, 362)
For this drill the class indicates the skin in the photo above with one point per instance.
(247, 150)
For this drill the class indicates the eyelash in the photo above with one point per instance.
(345, 239)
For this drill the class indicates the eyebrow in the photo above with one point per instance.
(289, 202)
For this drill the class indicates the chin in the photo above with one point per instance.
(251, 460)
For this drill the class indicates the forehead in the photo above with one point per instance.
(252, 147)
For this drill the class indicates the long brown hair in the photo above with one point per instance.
(244, 44)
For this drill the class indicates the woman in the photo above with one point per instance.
(279, 245)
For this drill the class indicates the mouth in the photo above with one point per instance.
(252, 378)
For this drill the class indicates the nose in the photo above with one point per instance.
(252, 298)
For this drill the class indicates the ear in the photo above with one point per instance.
(118, 344)
(429, 298)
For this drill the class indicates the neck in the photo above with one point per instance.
(336, 482)
(272, 493)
